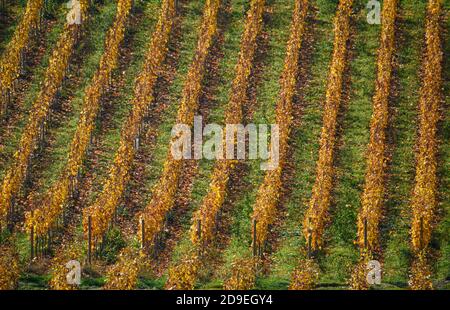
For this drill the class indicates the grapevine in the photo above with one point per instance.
(316, 215)
(243, 275)
(35, 127)
(305, 276)
(123, 275)
(9, 265)
(372, 197)
(424, 194)
(68, 252)
(184, 275)
(264, 208)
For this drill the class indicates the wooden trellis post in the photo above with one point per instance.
(142, 233)
(90, 239)
(365, 234)
(199, 235)
(309, 245)
(199, 229)
(22, 61)
(49, 241)
(32, 239)
(2, 103)
(421, 245)
(255, 248)
(156, 245)
(9, 218)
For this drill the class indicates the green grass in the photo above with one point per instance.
(29, 281)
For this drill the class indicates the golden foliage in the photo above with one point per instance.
(425, 188)
(58, 63)
(104, 207)
(243, 275)
(358, 278)
(305, 276)
(165, 189)
(373, 194)
(317, 213)
(43, 218)
(420, 278)
(9, 266)
(183, 275)
(124, 274)
(68, 252)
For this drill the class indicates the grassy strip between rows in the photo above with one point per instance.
(340, 253)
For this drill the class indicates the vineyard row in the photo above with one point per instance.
(424, 197)
(373, 194)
